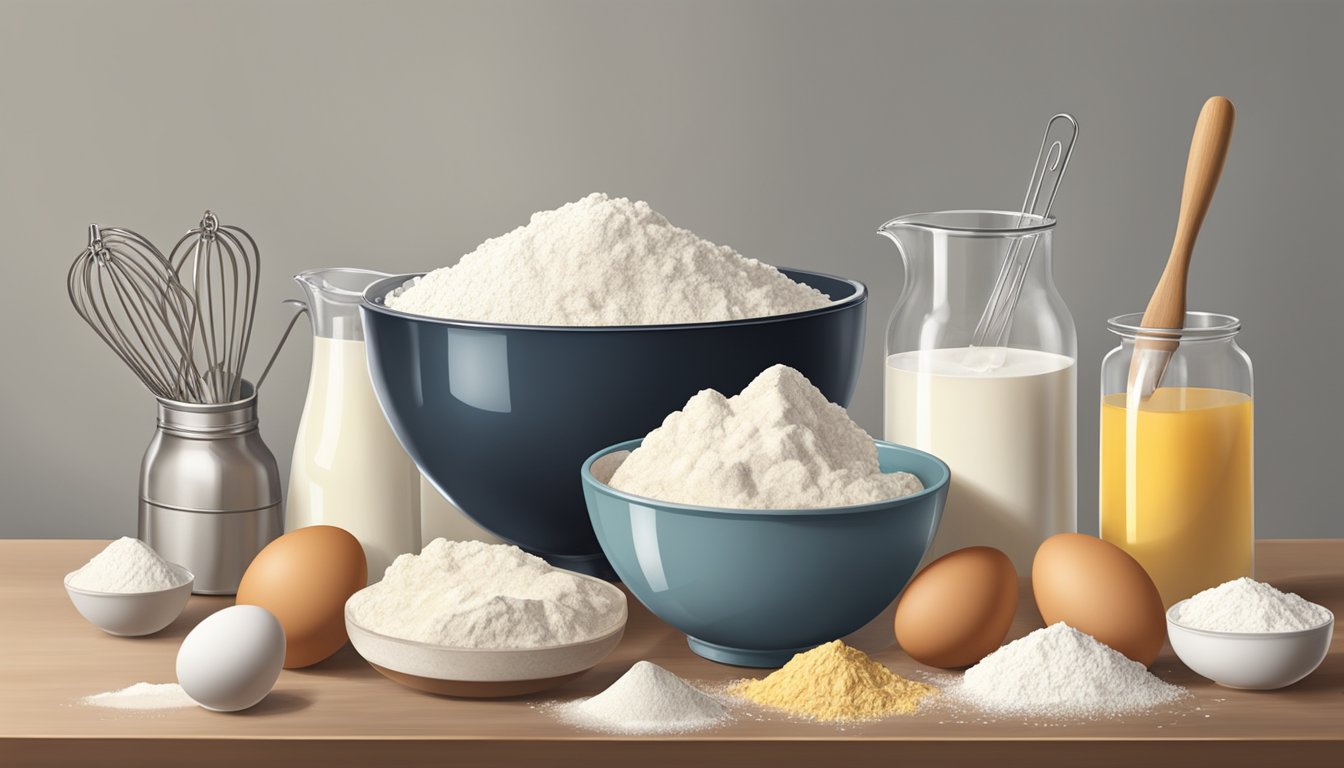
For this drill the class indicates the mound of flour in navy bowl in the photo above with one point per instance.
(500, 418)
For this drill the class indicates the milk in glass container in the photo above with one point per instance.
(1003, 417)
(349, 470)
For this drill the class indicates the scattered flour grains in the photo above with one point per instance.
(777, 445)
(646, 700)
(1246, 605)
(469, 594)
(604, 261)
(142, 696)
(126, 565)
(1059, 672)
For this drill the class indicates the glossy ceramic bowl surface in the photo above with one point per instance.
(500, 417)
(754, 587)
(1253, 660)
(484, 672)
(132, 614)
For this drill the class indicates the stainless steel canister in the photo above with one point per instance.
(210, 490)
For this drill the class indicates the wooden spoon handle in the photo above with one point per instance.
(1208, 151)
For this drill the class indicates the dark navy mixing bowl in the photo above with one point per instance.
(753, 587)
(500, 417)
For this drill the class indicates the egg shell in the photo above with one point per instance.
(958, 609)
(231, 660)
(1098, 588)
(304, 578)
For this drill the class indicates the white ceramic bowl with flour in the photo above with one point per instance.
(131, 614)
(1247, 634)
(1259, 661)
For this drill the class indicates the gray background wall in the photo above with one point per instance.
(398, 135)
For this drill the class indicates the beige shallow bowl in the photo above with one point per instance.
(483, 672)
(131, 614)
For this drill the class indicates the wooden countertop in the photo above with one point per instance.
(342, 712)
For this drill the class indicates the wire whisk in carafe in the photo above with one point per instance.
(991, 333)
(182, 323)
(221, 267)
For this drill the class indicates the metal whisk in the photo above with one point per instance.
(124, 288)
(224, 276)
(1051, 162)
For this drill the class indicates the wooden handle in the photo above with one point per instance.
(1208, 151)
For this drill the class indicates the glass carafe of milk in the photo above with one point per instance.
(1003, 416)
(349, 470)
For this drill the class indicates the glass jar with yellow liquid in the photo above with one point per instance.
(1177, 476)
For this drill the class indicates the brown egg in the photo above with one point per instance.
(304, 579)
(959, 608)
(1097, 588)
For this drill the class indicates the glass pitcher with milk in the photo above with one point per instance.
(349, 470)
(1003, 416)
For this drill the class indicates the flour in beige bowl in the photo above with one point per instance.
(469, 594)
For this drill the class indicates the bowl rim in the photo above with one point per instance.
(606, 634)
(181, 571)
(1172, 622)
(377, 291)
(586, 474)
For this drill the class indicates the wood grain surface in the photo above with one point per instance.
(343, 713)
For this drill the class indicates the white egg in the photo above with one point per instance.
(232, 659)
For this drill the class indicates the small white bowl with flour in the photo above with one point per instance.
(128, 590)
(1245, 634)
(478, 620)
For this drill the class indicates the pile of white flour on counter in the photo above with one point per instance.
(779, 444)
(126, 565)
(604, 261)
(142, 696)
(1247, 605)
(647, 699)
(469, 594)
(1059, 672)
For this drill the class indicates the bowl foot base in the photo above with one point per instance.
(743, 657)
(466, 689)
(588, 565)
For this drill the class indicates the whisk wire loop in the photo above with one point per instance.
(122, 287)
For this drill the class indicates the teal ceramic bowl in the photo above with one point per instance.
(754, 587)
